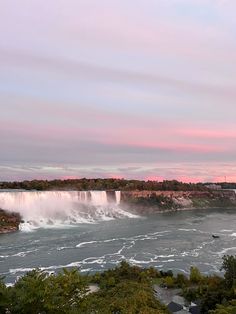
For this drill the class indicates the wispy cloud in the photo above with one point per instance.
(118, 89)
(186, 172)
(78, 69)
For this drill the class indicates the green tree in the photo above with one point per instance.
(195, 275)
(229, 266)
(4, 296)
(37, 292)
(27, 296)
(169, 282)
(65, 292)
(225, 309)
(126, 297)
(181, 280)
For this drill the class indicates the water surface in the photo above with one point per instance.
(174, 240)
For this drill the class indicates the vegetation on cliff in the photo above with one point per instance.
(161, 202)
(9, 222)
(144, 202)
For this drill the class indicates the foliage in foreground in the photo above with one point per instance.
(225, 309)
(123, 290)
(215, 294)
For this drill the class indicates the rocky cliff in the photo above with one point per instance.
(9, 222)
(152, 201)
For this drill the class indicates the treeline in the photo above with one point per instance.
(103, 184)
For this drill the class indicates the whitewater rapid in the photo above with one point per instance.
(173, 240)
(48, 209)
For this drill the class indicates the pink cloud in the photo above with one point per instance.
(229, 178)
(134, 137)
(210, 134)
(114, 139)
(68, 177)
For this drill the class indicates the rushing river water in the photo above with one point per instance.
(174, 240)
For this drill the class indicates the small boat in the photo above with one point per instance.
(215, 236)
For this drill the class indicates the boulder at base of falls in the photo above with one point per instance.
(9, 222)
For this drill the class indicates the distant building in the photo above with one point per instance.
(214, 186)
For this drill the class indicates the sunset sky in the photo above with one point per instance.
(141, 89)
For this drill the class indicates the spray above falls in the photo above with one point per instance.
(60, 208)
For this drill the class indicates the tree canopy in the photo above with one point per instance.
(103, 184)
(125, 289)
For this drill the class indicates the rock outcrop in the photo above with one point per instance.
(9, 222)
(144, 202)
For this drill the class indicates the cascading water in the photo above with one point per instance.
(118, 197)
(60, 208)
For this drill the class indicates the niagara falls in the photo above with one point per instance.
(117, 157)
(93, 231)
(61, 208)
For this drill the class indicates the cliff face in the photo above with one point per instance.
(9, 222)
(153, 201)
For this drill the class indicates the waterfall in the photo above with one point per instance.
(118, 197)
(83, 196)
(99, 198)
(60, 208)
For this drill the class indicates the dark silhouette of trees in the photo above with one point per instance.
(103, 184)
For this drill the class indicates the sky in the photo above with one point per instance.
(136, 89)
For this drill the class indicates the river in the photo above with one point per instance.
(173, 240)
